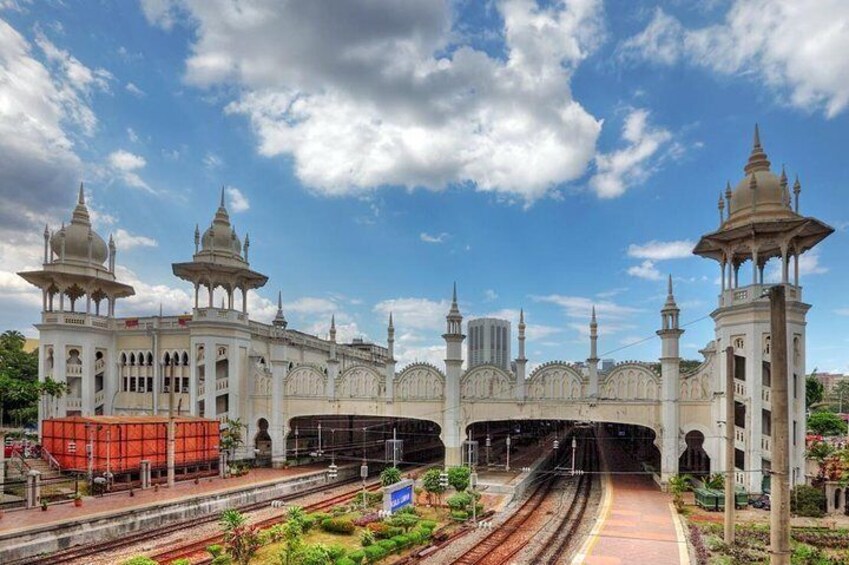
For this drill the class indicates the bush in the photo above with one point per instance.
(408, 510)
(807, 501)
(139, 560)
(402, 541)
(459, 501)
(336, 552)
(338, 526)
(459, 515)
(319, 517)
(390, 476)
(375, 553)
(404, 521)
(388, 545)
(315, 554)
(215, 550)
(357, 556)
(222, 560)
(458, 477)
(379, 529)
(345, 561)
(181, 561)
(367, 538)
(428, 524)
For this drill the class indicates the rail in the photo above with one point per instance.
(47, 456)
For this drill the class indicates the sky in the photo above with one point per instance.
(545, 155)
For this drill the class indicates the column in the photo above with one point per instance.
(194, 367)
(785, 265)
(796, 268)
(210, 288)
(755, 266)
(87, 380)
(722, 264)
(209, 356)
(197, 293)
(279, 369)
(60, 355)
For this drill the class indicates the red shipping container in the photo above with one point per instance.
(120, 443)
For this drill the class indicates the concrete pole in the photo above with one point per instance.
(730, 483)
(780, 509)
(171, 439)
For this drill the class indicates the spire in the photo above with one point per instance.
(593, 358)
(279, 320)
(670, 296)
(46, 231)
(333, 327)
(669, 286)
(221, 205)
(521, 318)
(391, 325)
(757, 159)
(593, 320)
(111, 242)
(80, 214)
(81, 197)
(797, 189)
(454, 296)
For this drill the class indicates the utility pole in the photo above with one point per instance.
(171, 434)
(319, 439)
(394, 447)
(730, 483)
(779, 517)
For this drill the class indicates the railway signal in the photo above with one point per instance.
(332, 472)
(443, 479)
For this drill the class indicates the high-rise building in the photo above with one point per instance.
(489, 342)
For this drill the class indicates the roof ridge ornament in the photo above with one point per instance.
(758, 160)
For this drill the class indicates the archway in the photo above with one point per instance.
(694, 460)
(262, 443)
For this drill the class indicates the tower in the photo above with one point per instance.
(452, 435)
(670, 373)
(760, 225)
(220, 337)
(76, 346)
(489, 343)
(592, 360)
(521, 360)
(390, 361)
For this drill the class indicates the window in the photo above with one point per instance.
(766, 374)
(766, 422)
(739, 459)
(739, 368)
(795, 386)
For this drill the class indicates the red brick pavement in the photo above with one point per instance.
(638, 525)
(119, 502)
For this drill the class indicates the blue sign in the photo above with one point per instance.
(401, 498)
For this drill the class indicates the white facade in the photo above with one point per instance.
(221, 364)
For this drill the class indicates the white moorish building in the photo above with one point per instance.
(222, 364)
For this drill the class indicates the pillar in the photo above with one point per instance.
(209, 356)
(279, 370)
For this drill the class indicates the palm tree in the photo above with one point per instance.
(12, 339)
(677, 486)
(54, 390)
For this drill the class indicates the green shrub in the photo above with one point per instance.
(388, 545)
(345, 561)
(402, 541)
(428, 524)
(408, 510)
(459, 515)
(338, 526)
(458, 477)
(403, 521)
(139, 560)
(367, 538)
(215, 550)
(459, 501)
(336, 551)
(375, 553)
(357, 556)
(222, 560)
(319, 517)
(807, 501)
(181, 561)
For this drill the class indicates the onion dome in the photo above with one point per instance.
(221, 237)
(79, 241)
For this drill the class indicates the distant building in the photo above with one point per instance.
(489, 342)
(830, 380)
(607, 365)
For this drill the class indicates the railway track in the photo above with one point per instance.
(508, 540)
(76, 553)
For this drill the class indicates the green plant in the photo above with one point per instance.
(402, 541)
(357, 556)
(315, 554)
(232, 436)
(374, 553)
(367, 538)
(715, 481)
(345, 561)
(459, 515)
(215, 550)
(458, 477)
(388, 545)
(807, 501)
(390, 476)
(403, 521)
(181, 561)
(459, 501)
(139, 560)
(338, 526)
(222, 560)
(231, 519)
(432, 484)
(336, 551)
(678, 485)
(242, 543)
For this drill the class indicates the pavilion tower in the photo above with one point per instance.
(670, 372)
(79, 290)
(760, 224)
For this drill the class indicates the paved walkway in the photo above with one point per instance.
(119, 502)
(637, 523)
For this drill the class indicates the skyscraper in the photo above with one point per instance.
(489, 342)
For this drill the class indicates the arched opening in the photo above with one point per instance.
(262, 443)
(838, 500)
(694, 460)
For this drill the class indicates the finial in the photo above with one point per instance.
(797, 188)
(521, 316)
(721, 206)
(333, 322)
(757, 159)
(81, 197)
(593, 318)
(728, 190)
(247, 238)
(279, 299)
(221, 205)
(197, 231)
(46, 230)
(111, 241)
(783, 176)
(391, 324)
(454, 296)
(669, 283)
(757, 140)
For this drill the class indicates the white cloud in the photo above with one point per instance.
(370, 94)
(489, 295)
(149, 296)
(646, 270)
(533, 331)
(415, 313)
(842, 311)
(618, 170)
(809, 264)
(236, 201)
(125, 165)
(795, 47)
(581, 307)
(124, 240)
(132, 135)
(212, 161)
(135, 90)
(428, 238)
(311, 305)
(660, 250)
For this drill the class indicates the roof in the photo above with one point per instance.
(129, 419)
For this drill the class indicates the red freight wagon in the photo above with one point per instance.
(121, 443)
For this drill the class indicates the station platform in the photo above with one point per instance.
(637, 522)
(20, 520)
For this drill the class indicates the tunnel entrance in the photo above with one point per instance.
(350, 438)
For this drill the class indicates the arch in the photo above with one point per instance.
(262, 443)
(695, 460)
(186, 358)
(630, 381)
(359, 381)
(420, 381)
(149, 359)
(305, 380)
(838, 500)
(132, 358)
(123, 358)
(555, 381)
(166, 358)
(486, 382)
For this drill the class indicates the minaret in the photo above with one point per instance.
(452, 435)
(332, 361)
(279, 320)
(390, 362)
(521, 360)
(592, 360)
(670, 370)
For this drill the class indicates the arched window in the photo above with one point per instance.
(132, 358)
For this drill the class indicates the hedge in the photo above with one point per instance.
(388, 545)
(357, 556)
(345, 561)
(375, 553)
(338, 526)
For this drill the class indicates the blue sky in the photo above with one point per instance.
(548, 155)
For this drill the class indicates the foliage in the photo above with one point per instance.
(315, 554)
(338, 526)
(367, 538)
(459, 515)
(677, 486)
(459, 501)
(139, 560)
(388, 545)
(366, 519)
(403, 521)
(19, 386)
(430, 482)
(820, 451)
(374, 553)
(458, 477)
(242, 542)
(826, 424)
(814, 391)
(232, 436)
(807, 501)
(357, 556)
(181, 561)
(345, 561)
(698, 543)
(715, 481)
(231, 519)
(390, 476)
(215, 550)
(293, 535)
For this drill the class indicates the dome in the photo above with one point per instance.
(760, 193)
(220, 236)
(76, 237)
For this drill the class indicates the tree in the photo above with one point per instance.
(826, 424)
(458, 477)
(53, 390)
(232, 436)
(679, 484)
(432, 484)
(18, 376)
(813, 391)
(820, 452)
(390, 476)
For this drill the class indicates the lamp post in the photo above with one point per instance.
(296, 445)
